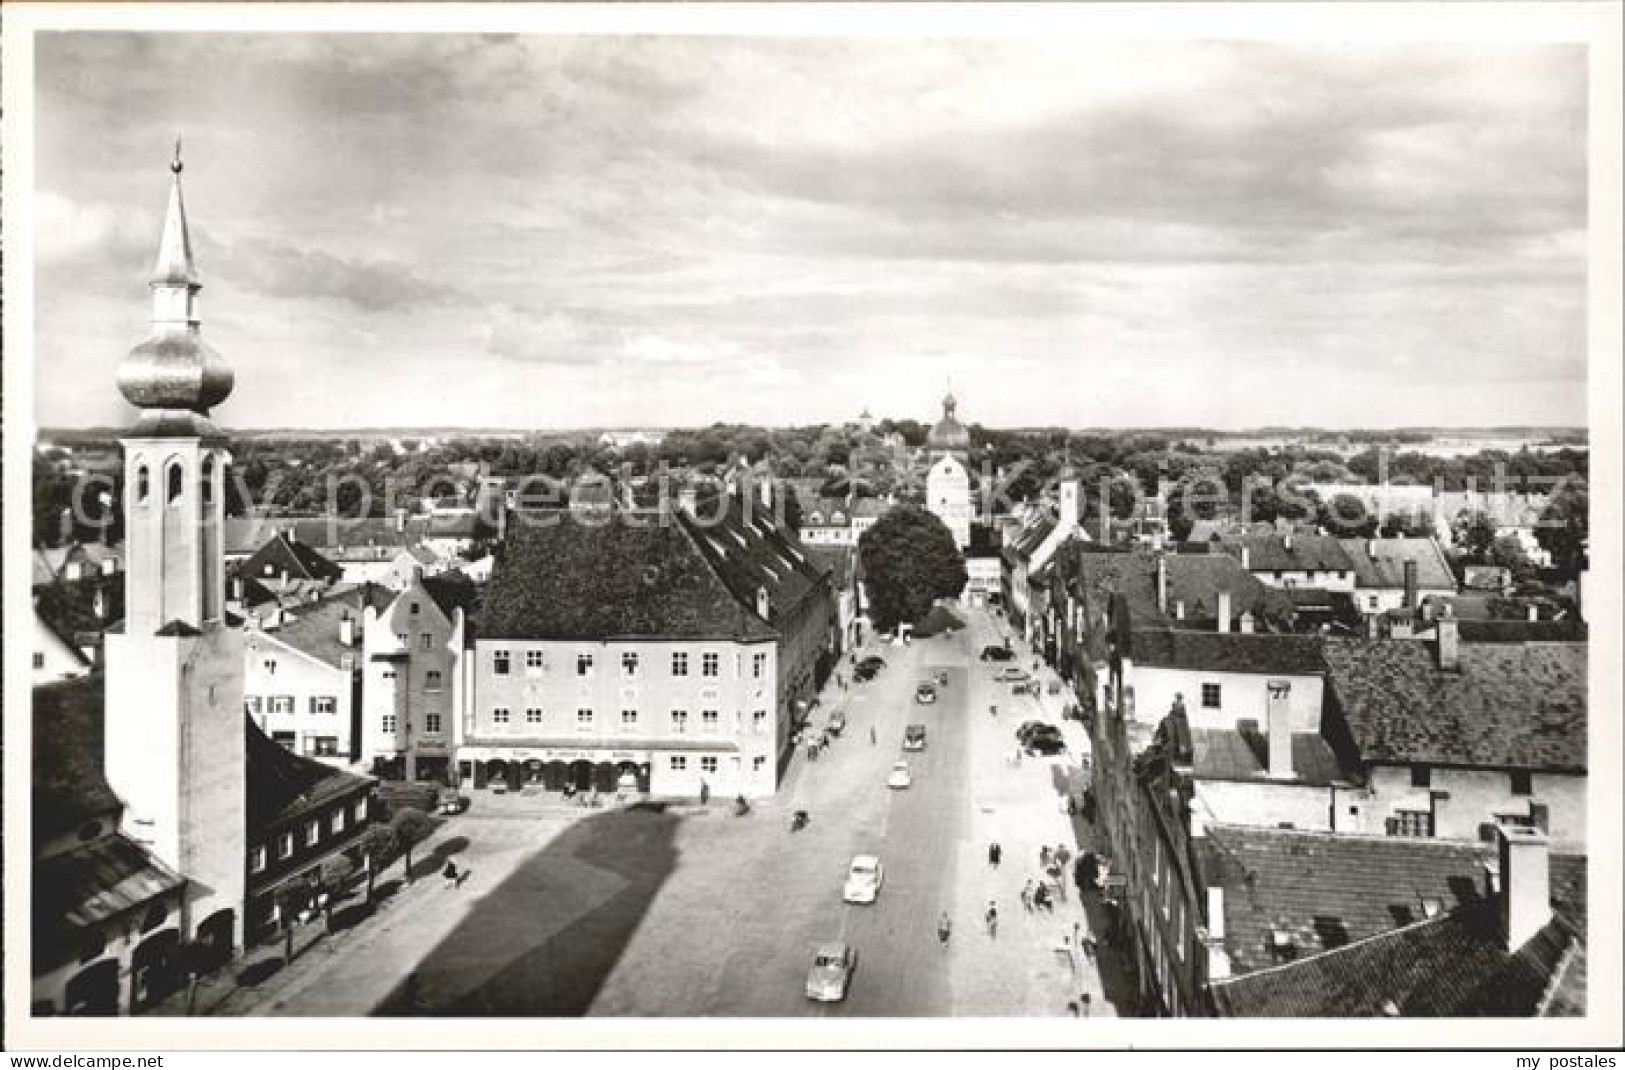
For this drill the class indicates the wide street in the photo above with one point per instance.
(692, 911)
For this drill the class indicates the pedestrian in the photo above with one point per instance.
(944, 930)
(1089, 948)
(1062, 855)
(450, 873)
(1071, 805)
(1043, 857)
(1072, 1008)
(992, 919)
(705, 792)
(1027, 896)
(871, 735)
(1084, 1000)
(994, 853)
(1077, 935)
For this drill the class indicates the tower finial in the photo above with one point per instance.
(175, 164)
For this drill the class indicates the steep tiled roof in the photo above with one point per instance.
(244, 535)
(1197, 579)
(314, 629)
(70, 786)
(751, 553)
(1287, 655)
(69, 606)
(1517, 706)
(298, 560)
(1379, 564)
(1523, 631)
(100, 880)
(1032, 536)
(1325, 890)
(1233, 754)
(283, 786)
(1309, 553)
(634, 575)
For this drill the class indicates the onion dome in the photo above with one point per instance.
(175, 369)
(949, 433)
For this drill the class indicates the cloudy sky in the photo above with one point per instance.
(558, 231)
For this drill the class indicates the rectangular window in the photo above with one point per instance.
(284, 845)
(426, 641)
(1413, 823)
(39, 660)
(708, 764)
(338, 820)
(431, 723)
(708, 720)
(583, 720)
(359, 811)
(1210, 696)
(500, 660)
(1375, 601)
(710, 665)
(388, 674)
(1522, 782)
(284, 739)
(324, 704)
(679, 664)
(629, 663)
(256, 860)
(281, 704)
(431, 680)
(758, 763)
(389, 724)
(1421, 776)
(501, 715)
(533, 661)
(252, 704)
(415, 607)
(678, 763)
(629, 720)
(758, 665)
(679, 721)
(758, 720)
(324, 746)
(270, 666)
(583, 664)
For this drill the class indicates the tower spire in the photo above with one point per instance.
(174, 266)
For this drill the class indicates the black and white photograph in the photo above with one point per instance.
(1004, 528)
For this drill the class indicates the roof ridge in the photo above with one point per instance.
(1565, 962)
(1318, 956)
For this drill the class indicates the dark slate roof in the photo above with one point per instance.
(751, 553)
(1511, 706)
(1032, 536)
(283, 786)
(1236, 754)
(299, 560)
(70, 786)
(69, 606)
(1286, 655)
(610, 578)
(1197, 579)
(100, 880)
(840, 562)
(1453, 966)
(1522, 631)
(1309, 553)
(243, 535)
(1326, 890)
(1380, 563)
(314, 628)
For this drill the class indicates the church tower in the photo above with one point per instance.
(947, 484)
(175, 735)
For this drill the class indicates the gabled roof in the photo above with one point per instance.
(1308, 553)
(1237, 754)
(1511, 706)
(1379, 564)
(751, 553)
(283, 786)
(1283, 655)
(100, 880)
(298, 560)
(70, 785)
(633, 575)
(314, 629)
(244, 535)
(1197, 579)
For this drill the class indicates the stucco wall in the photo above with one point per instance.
(1476, 796)
(1242, 696)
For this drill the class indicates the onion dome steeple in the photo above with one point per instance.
(174, 375)
(949, 435)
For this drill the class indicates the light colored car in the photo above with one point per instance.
(925, 694)
(1013, 674)
(863, 879)
(899, 777)
(831, 973)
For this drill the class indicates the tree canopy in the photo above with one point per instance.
(909, 561)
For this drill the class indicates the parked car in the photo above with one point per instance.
(997, 653)
(1012, 674)
(1025, 730)
(863, 879)
(925, 694)
(451, 802)
(837, 722)
(942, 678)
(899, 777)
(914, 737)
(868, 669)
(831, 973)
(1046, 744)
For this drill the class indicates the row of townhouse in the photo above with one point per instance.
(1331, 748)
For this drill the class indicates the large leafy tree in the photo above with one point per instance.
(1565, 525)
(909, 561)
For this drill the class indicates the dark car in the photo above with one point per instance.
(1027, 728)
(1046, 744)
(997, 653)
(868, 669)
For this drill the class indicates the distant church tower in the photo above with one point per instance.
(947, 484)
(175, 733)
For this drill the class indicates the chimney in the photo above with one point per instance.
(1286, 542)
(764, 490)
(1162, 584)
(1534, 613)
(1179, 609)
(763, 606)
(346, 630)
(1279, 714)
(400, 520)
(1246, 623)
(1523, 901)
(686, 500)
(1224, 611)
(1410, 584)
(1448, 643)
(1071, 511)
(1371, 548)
(1246, 558)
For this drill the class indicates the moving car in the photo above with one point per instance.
(914, 737)
(942, 678)
(451, 802)
(831, 973)
(899, 777)
(863, 879)
(997, 653)
(1013, 674)
(1036, 737)
(868, 668)
(925, 694)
